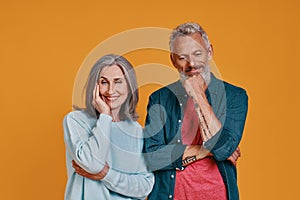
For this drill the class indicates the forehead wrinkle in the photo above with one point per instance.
(187, 47)
(113, 72)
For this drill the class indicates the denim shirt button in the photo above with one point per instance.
(179, 121)
(178, 141)
(172, 176)
(170, 196)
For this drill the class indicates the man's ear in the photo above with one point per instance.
(210, 52)
(172, 60)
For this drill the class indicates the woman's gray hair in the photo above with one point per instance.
(128, 109)
(186, 29)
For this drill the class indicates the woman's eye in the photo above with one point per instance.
(181, 58)
(103, 82)
(118, 82)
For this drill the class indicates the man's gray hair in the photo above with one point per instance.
(186, 29)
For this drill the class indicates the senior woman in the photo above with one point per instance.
(103, 140)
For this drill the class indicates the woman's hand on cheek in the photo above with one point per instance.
(99, 104)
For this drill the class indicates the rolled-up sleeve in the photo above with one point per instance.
(225, 142)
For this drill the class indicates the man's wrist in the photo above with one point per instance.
(188, 160)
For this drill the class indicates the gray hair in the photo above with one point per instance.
(186, 29)
(128, 109)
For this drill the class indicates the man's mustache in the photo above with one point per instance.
(190, 68)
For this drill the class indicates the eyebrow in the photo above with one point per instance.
(182, 54)
(118, 78)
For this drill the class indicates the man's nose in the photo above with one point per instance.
(191, 61)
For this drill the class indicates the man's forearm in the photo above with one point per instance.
(209, 123)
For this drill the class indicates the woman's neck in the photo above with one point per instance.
(115, 115)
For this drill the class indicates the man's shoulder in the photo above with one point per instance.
(229, 87)
(219, 86)
(172, 88)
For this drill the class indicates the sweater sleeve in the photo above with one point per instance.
(136, 185)
(88, 146)
(130, 176)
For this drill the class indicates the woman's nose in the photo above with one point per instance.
(111, 89)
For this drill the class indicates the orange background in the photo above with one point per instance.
(43, 44)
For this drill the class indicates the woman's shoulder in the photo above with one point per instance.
(76, 114)
(130, 126)
(79, 116)
(139, 129)
(136, 124)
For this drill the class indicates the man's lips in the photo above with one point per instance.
(192, 71)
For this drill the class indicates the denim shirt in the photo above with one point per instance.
(163, 148)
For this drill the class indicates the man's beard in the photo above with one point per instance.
(205, 73)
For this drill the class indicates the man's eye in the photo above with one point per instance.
(118, 82)
(103, 82)
(181, 57)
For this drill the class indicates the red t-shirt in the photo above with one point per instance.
(201, 179)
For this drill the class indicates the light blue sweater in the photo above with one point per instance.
(91, 143)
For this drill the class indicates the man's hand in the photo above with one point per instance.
(200, 152)
(97, 177)
(235, 156)
(195, 85)
(191, 150)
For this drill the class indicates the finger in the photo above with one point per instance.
(94, 92)
(236, 154)
(76, 168)
(80, 171)
(239, 151)
(97, 92)
(234, 163)
(232, 160)
(74, 164)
